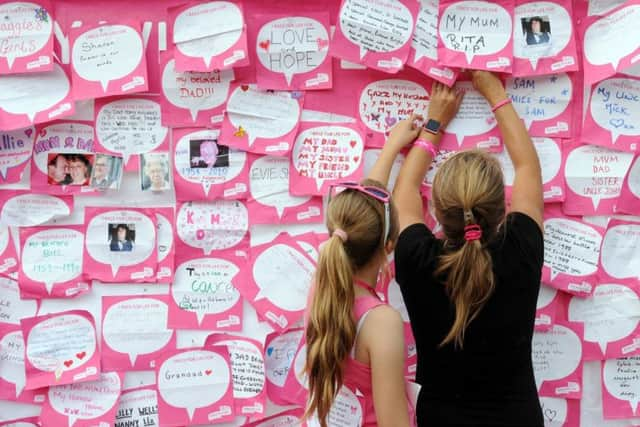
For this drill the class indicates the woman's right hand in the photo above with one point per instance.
(489, 85)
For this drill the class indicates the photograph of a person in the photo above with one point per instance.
(69, 168)
(154, 172)
(121, 237)
(206, 153)
(537, 30)
(107, 172)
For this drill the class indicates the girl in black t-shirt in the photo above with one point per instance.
(471, 296)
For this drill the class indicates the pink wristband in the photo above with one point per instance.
(501, 104)
(426, 146)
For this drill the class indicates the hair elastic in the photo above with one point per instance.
(472, 232)
(501, 104)
(341, 234)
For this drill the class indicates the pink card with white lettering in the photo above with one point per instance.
(86, 404)
(26, 36)
(204, 293)
(129, 126)
(209, 36)
(8, 254)
(544, 38)
(63, 156)
(60, 348)
(293, 50)
(270, 201)
(377, 35)
(193, 98)
(207, 169)
(572, 249)
(32, 98)
(206, 371)
(247, 365)
(21, 208)
(619, 388)
(108, 59)
(261, 121)
(629, 201)
(12, 370)
(280, 352)
(135, 332)
(16, 148)
(52, 262)
(557, 360)
(120, 244)
(594, 177)
(324, 154)
(166, 246)
(476, 34)
(620, 247)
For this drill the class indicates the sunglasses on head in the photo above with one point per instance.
(377, 193)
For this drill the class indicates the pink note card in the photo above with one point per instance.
(17, 148)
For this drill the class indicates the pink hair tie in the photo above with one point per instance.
(341, 234)
(472, 232)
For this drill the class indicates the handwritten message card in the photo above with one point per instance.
(134, 332)
(206, 169)
(347, 410)
(26, 37)
(12, 370)
(620, 246)
(51, 264)
(630, 196)
(204, 295)
(262, 121)
(120, 244)
(558, 412)
(207, 373)
(24, 209)
(16, 148)
(280, 351)
(138, 407)
(12, 307)
(61, 348)
(108, 59)
(209, 36)
(476, 34)
(293, 51)
(324, 154)
(620, 389)
(376, 34)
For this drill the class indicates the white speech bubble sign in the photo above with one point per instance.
(555, 353)
(620, 250)
(613, 37)
(550, 157)
(315, 150)
(247, 365)
(262, 114)
(596, 172)
(87, 400)
(211, 175)
(269, 184)
(210, 382)
(195, 91)
(279, 356)
(136, 407)
(564, 237)
(25, 30)
(396, 301)
(130, 126)
(53, 256)
(397, 97)
(16, 148)
(12, 307)
(557, 15)
(615, 106)
(346, 411)
(105, 53)
(12, 360)
(383, 26)
(425, 35)
(292, 45)
(28, 210)
(465, 29)
(212, 226)
(281, 264)
(208, 29)
(545, 296)
(98, 244)
(554, 411)
(31, 93)
(204, 286)
(137, 326)
(620, 378)
(61, 343)
(540, 98)
(634, 178)
(612, 313)
(474, 116)
(165, 237)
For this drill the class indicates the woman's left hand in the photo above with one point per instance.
(404, 132)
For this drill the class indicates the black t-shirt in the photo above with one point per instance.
(490, 381)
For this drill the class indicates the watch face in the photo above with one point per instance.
(432, 126)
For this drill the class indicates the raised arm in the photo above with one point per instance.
(443, 106)
(526, 195)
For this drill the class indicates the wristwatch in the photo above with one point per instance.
(432, 126)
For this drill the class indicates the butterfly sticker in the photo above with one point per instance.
(240, 132)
